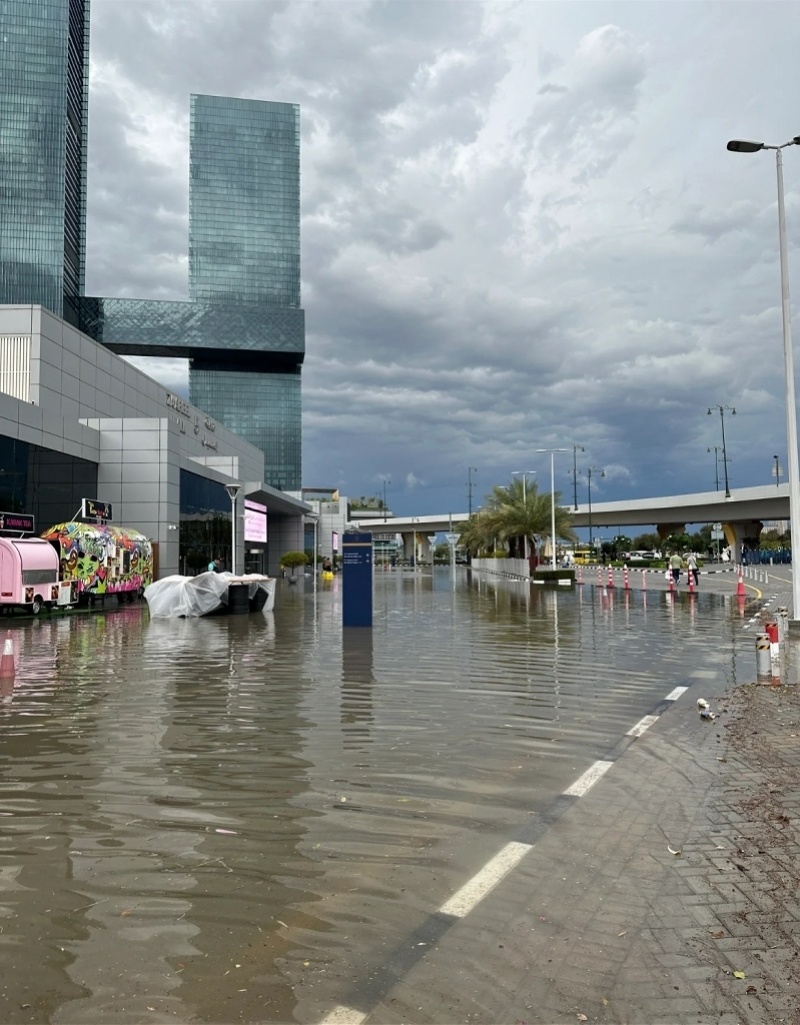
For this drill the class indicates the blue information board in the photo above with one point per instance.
(357, 580)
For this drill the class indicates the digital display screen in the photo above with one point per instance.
(334, 541)
(255, 521)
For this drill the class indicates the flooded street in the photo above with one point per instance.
(242, 819)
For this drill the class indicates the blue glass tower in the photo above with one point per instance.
(244, 249)
(44, 68)
(244, 201)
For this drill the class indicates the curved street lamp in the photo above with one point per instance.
(742, 146)
(724, 455)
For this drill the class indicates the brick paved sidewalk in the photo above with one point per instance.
(601, 920)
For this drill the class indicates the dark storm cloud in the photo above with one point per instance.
(520, 226)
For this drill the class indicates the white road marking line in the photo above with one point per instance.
(675, 694)
(343, 1016)
(475, 889)
(641, 726)
(588, 779)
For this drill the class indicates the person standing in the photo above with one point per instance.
(675, 564)
(691, 567)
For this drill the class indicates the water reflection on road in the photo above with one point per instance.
(227, 819)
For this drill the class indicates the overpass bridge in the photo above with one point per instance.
(741, 516)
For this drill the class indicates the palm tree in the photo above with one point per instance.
(516, 511)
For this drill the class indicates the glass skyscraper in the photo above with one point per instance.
(44, 66)
(244, 201)
(244, 250)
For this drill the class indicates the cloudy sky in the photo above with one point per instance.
(520, 226)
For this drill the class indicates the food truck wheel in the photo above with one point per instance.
(37, 605)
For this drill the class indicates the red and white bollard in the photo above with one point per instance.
(580, 574)
(625, 580)
(690, 575)
(8, 668)
(644, 579)
(671, 582)
(599, 577)
(610, 576)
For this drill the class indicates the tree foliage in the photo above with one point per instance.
(510, 514)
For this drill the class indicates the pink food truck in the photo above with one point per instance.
(29, 576)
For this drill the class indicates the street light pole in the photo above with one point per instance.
(470, 485)
(715, 450)
(777, 472)
(575, 450)
(524, 475)
(552, 452)
(741, 146)
(722, 409)
(589, 472)
(233, 490)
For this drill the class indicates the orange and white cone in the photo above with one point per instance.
(690, 575)
(671, 582)
(580, 574)
(625, 580)
(610, 576)
(740, 591)
(7, 667)
(599, 577)
(644, 579)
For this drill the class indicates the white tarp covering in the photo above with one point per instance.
(197, 596)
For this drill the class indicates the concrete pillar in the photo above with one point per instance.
(746, 532)
(665, 529)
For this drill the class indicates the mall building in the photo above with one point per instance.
(79, 422)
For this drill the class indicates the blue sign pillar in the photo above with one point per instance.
(357, 580)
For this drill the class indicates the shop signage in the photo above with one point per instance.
(92, 509)
(18, 523)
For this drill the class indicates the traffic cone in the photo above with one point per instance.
(580, 574)
(610, 576)
(690, 575)
(671, 583)
(599, 577)
(644, 579)
(7, 668)
(740, 591)
(625, 581)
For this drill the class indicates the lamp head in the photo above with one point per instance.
(743, 146)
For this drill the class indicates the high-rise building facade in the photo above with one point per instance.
(44, 66)
(244, 201)
(244, 250)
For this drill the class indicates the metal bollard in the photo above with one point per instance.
(763, 657)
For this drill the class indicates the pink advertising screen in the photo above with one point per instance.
(255, 521)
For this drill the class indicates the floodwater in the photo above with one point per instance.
(238, 819)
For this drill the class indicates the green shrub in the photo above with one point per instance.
(292, 559)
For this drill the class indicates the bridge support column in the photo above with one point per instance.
(665, 529)
(741, 535)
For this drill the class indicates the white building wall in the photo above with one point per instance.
(85, 401)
